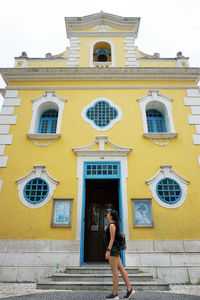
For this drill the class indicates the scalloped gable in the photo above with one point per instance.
(165, 170)
(38, 171)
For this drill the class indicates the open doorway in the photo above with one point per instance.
(101, 195)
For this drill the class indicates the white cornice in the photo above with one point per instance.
(103, 74)
(100, 87)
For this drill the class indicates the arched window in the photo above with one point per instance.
(102, 52)
(48, 121)
(155, 121)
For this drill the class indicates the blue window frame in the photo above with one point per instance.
(102, 170)
(155, 121)
(36, 190)
(102, 113)
(48, 121)
(168, 190)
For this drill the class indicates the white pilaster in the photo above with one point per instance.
(130, 52)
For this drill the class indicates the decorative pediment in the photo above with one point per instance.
(49, 96)
(154, 95)
(80, 23)
(101, 142)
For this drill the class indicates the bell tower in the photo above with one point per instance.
(102, 40)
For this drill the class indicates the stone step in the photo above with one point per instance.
(156, 284)
(99, 277)
(105, 269)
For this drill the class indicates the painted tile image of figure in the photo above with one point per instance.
(142, 212)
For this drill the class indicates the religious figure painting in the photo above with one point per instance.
(142, 213)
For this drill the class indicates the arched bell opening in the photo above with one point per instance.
(102, 52)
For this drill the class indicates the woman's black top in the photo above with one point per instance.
(115, 243)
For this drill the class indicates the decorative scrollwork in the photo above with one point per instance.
(156, 142)
(43, 143)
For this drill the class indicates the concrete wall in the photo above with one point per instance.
(175, 261)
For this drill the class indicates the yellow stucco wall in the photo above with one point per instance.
(47, 64)
(143, 163)
(159, 64)
(85, 46)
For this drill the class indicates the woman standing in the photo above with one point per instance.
(113, 255)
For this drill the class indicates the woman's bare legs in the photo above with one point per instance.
(124, 274)
(113, 261)
(116, 264)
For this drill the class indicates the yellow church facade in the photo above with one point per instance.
(100, 126)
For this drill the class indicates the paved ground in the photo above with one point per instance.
(28, 291)
(99, 295)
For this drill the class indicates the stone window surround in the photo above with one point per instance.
(49, 100)
(164, 172)
(41, 172)
(112, 122)
(155, 100)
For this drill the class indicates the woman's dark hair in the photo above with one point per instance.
(115, 217)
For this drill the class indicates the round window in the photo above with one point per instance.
(36, 190)
(168, 190)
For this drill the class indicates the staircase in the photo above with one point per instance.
(99, 277)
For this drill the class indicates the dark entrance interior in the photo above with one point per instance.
(101, 195)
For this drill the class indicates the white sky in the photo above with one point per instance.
(37, 27)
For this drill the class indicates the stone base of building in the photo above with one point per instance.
(175, 261)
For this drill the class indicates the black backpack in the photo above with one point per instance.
(122, 241)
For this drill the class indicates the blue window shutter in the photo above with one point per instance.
(155, 121)
(48, 121)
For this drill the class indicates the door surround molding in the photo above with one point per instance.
(85, 154)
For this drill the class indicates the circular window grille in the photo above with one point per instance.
(168, 190)
(36, 190)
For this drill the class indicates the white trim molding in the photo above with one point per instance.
(118, 153)
(94, 64)
(155, 100)
(41, 172)
(49, 100)
(166, 171)
(112, 122)
(1, 183)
